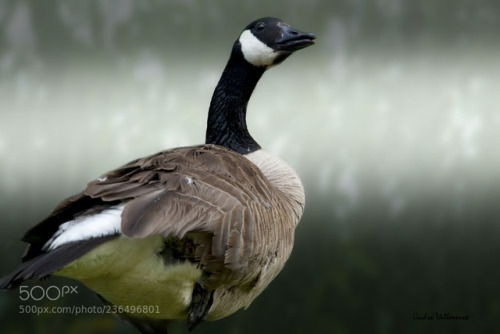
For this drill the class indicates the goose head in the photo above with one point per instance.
(268, 41)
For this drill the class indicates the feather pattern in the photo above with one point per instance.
(202, 189)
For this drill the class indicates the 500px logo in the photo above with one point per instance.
(52, 292)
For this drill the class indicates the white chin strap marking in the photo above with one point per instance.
(256, 52)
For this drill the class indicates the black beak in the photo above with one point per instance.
(292, 40)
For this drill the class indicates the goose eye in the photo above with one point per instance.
(260, 26)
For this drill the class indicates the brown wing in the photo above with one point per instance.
(186, 190)
(208, 193)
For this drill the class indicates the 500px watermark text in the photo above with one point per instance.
(75, 310)
(52, 292)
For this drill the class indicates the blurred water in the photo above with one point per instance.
(391, 119)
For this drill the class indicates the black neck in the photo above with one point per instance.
(226, 125)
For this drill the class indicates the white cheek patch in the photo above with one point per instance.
(256, 52)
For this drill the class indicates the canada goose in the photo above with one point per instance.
(196, 232)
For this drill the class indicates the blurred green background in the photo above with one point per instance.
(392, 119)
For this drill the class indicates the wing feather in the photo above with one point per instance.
(182, 192)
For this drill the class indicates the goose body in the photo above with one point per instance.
(195, 232)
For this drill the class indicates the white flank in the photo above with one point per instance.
(256, 52)
(104, 223)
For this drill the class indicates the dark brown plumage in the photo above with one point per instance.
(200, 189)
